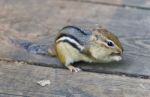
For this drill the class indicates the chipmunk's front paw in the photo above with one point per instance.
(73, 69)
(52, 52)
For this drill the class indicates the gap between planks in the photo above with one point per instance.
(139, 76)
(112, 4)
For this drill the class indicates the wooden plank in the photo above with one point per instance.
(123, 22)
(140, 4)
(20, 79)
(39, 21)
(9, 95)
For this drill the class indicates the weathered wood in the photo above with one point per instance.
(19, 80)
(140, 4)
(38, 21)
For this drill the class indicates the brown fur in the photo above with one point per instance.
(109, 36)
(60, 54)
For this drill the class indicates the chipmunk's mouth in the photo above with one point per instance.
(115, 54)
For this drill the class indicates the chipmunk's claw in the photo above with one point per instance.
(73, 69)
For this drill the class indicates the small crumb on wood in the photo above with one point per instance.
(142, 86)
(44, 82)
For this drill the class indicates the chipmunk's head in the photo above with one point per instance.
(105, 47)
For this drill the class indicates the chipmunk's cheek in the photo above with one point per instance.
(116, 58)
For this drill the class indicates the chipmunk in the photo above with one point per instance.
(75, 44)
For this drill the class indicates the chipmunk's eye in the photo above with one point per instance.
(110, 43)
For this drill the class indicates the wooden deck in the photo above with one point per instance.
(38, 21)
(19, 80)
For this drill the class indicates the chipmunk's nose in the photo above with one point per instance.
(119, 52)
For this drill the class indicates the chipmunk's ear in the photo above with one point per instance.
(99, 27)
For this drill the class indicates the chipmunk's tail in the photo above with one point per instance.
(31, 47)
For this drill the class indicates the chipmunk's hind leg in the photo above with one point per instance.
(65, 56)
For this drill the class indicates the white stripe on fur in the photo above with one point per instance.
(70, 40)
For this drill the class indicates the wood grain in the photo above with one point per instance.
(140, 4)
(19, 80)
(39, 21)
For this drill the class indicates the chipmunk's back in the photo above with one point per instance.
(77, 33)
